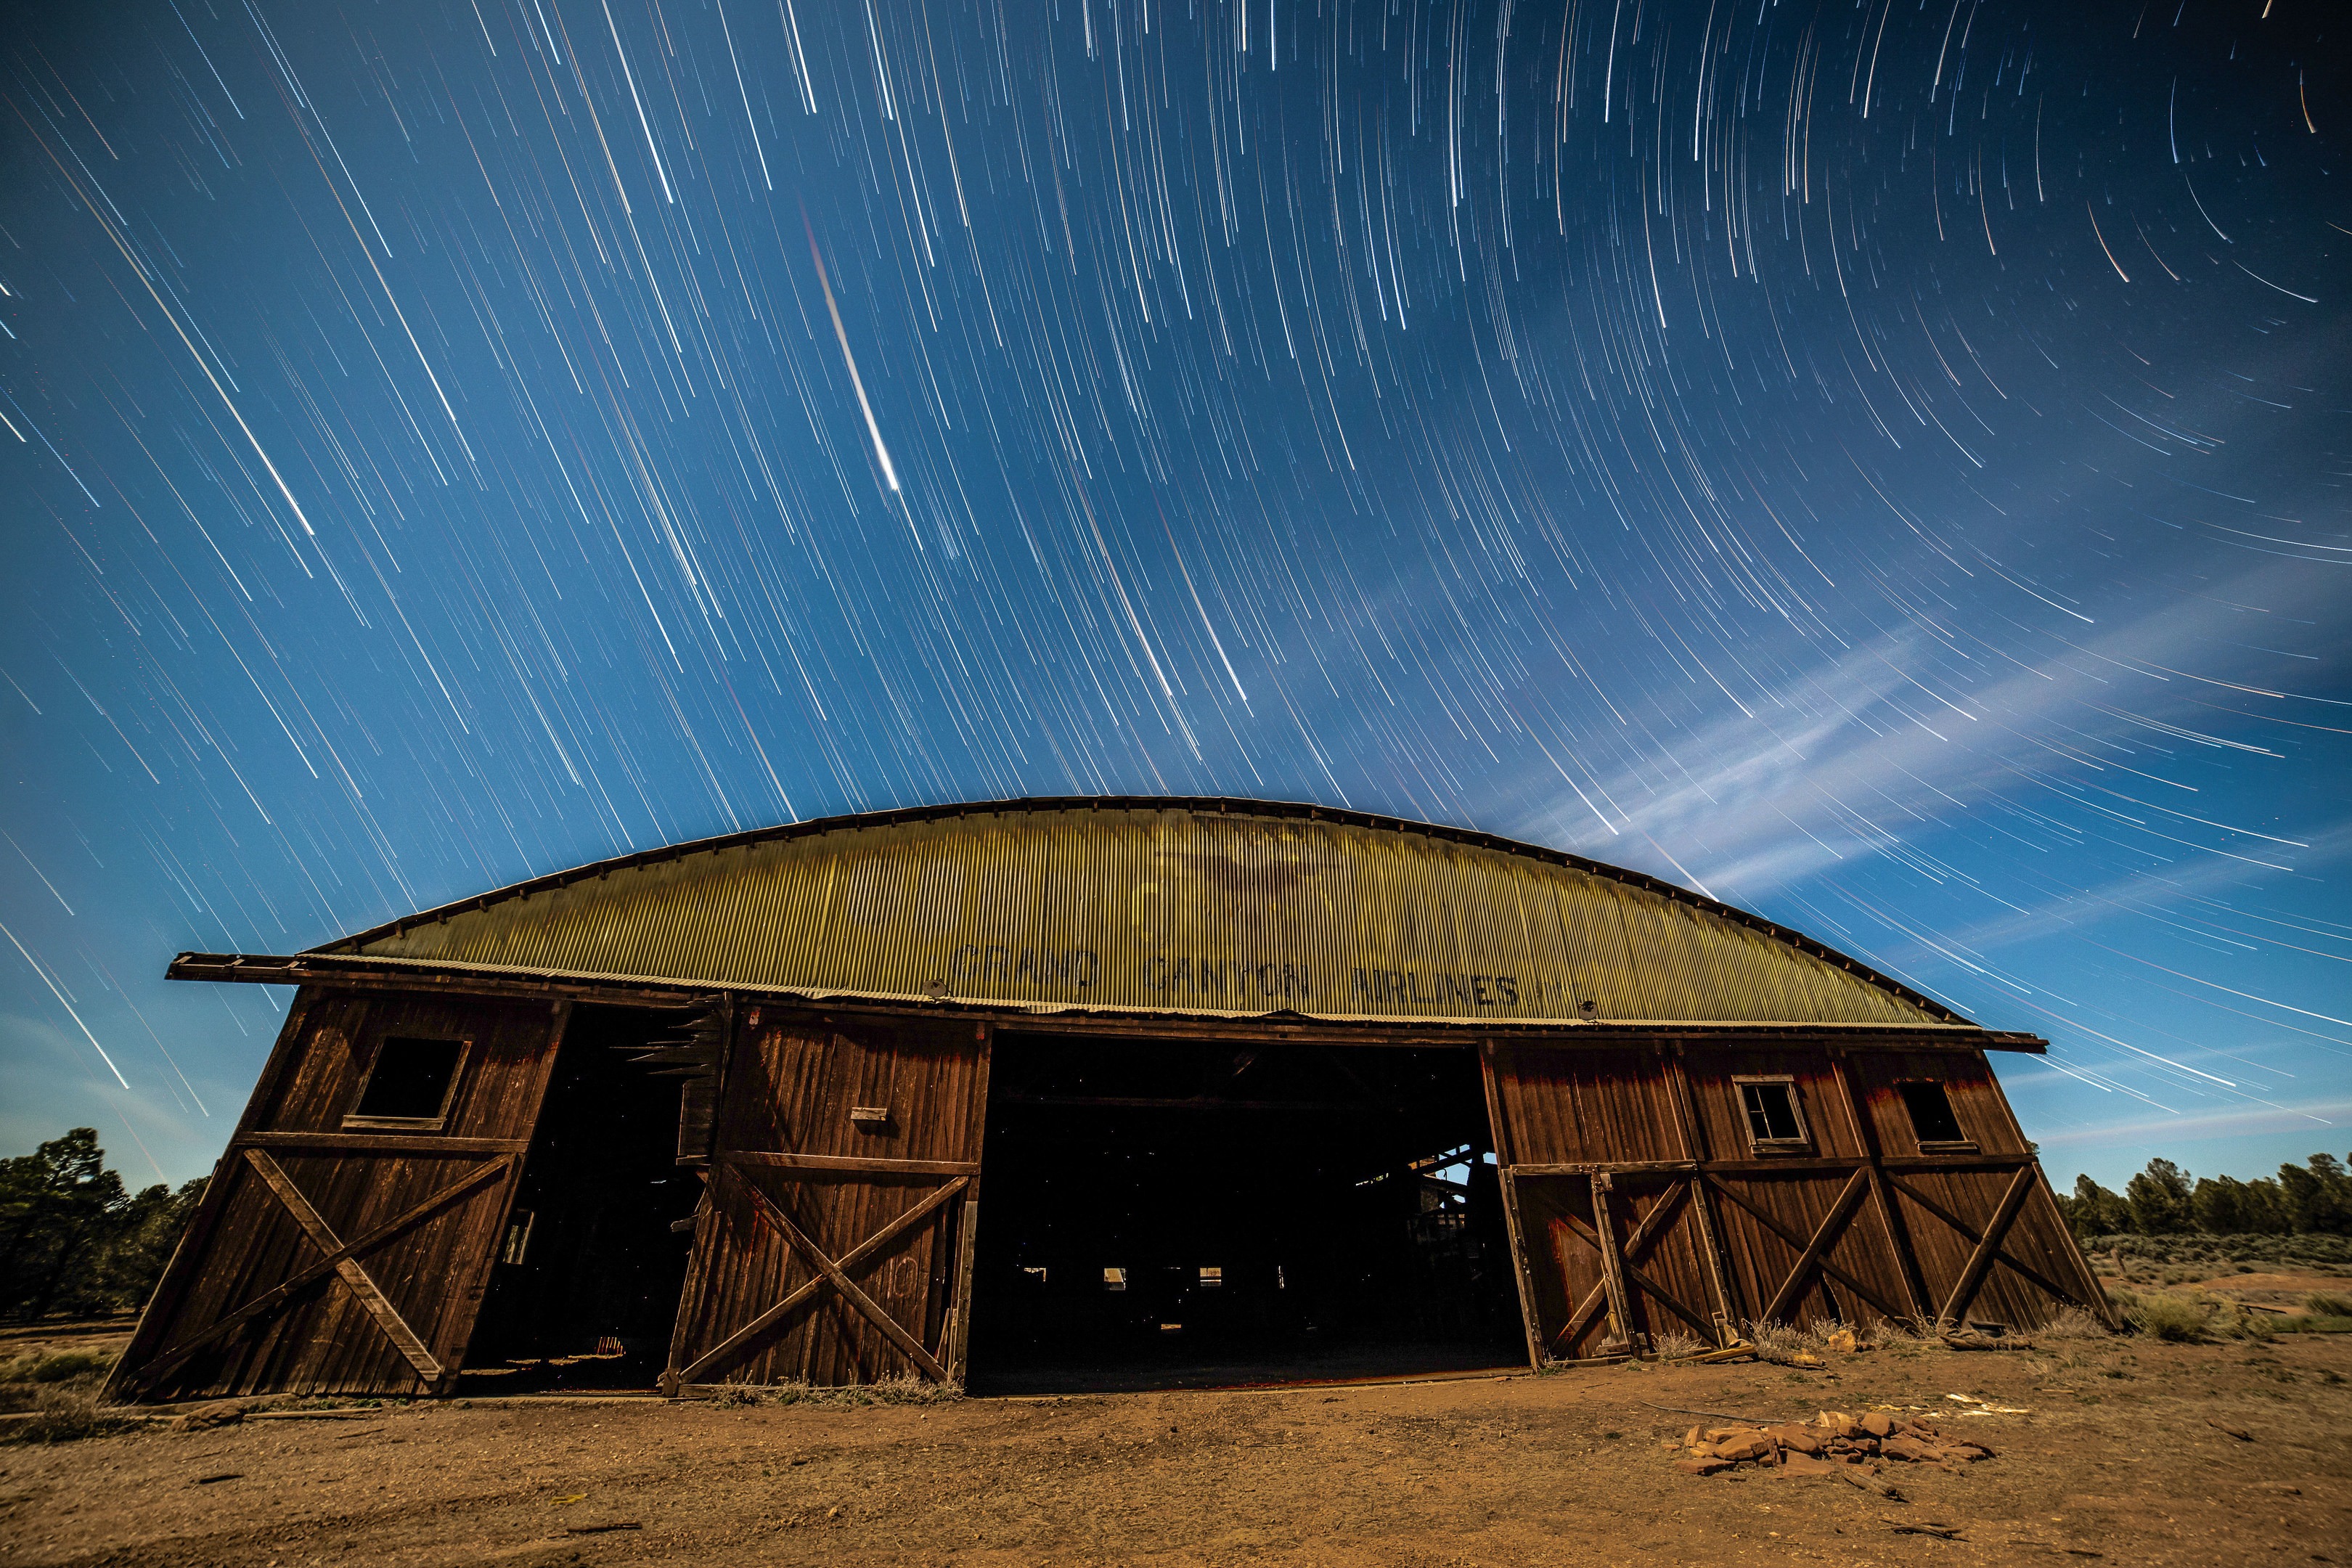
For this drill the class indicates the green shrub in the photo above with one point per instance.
(2320, 1304)
(2166, 1316)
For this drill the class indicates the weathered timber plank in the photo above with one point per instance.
(378, 1144)
(370, 1296)
(1824, 1237)
(848, 1164)
(1964, 1288)
(1585, 1234)
(1796, 1242)
(1975, 1237)
(815, 1256)
(1638, 1237)
(317, 1269)
(720, 1355)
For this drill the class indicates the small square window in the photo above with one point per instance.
(1114, 1279)
(1931, 1114)
(410, 1085)
(1773, 1117)
(1211, 1276)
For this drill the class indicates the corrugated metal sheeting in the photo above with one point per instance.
(1172, 909)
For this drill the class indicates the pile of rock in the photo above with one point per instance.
(1829, 1442)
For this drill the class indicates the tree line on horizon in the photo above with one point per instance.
(75, 1239)
(2313, 1198)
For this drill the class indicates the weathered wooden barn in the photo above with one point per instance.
(729, 1108)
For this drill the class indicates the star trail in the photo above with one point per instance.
(1880, 463)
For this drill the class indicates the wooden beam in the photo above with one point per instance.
(368, 973)
(378, 1144)
(1635, 1241)
(730, 1348)
(1964, 1288)
(2033, 1276)
(1790, 1165)
(1824, 1237)
(1612, 1263)
(354, 1277)
(956, 1339)
(815, 1256)
(845, 1165)
(1585, 1234)
(311, 1273)
(1893, 1314)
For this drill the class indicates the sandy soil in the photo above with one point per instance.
(2119, 1461)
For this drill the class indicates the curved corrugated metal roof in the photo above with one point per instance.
(1179, 905)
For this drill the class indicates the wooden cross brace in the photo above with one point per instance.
(338, 1258)
(1988, 1250)
(1651, 1225)
(829, 1271)
(1813, 1253)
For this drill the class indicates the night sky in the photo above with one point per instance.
(1882, 464)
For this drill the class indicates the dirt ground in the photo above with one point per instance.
(2118, 1459)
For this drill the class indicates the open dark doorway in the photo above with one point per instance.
(586, 1287)
(1169, 1215)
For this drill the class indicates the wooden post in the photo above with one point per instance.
(1513, 1227)
(1612, 1269)
(955, 1333)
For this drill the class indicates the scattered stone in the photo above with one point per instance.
(1832, 1443)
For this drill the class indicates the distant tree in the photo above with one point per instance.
(2159, 1199)
(73, 1240)
(2318, 1196)
(2093, 1210)
(2225, 1205)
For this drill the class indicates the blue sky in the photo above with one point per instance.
(1884, 467)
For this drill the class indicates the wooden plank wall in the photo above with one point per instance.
(1862, 1226)
(791, 1087)
(244, 1241)
(1943, 1211)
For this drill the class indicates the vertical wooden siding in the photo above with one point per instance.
(1860, 1226)
(789, 1093)
(245, 1243)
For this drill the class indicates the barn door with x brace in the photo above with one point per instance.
(1619, 1262)
(834, 1242)
(345, 1240)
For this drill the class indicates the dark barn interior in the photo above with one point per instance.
(1162, 1214)
(586, 1286)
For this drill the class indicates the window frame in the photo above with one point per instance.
(437, 1122)
(1802, 1143)
(1963, 1144)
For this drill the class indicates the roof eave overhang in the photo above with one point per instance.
(514, 980)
